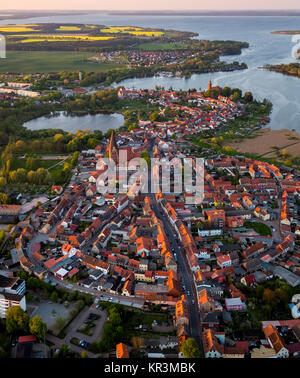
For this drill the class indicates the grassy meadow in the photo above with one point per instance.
(51, 61)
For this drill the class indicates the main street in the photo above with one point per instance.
(185, 272)
(184, 269)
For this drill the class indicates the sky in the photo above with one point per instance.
(150, 5)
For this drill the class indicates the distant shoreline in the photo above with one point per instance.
(286, 32)
(241, 13)
(8, 14)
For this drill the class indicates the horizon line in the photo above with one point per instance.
(159, 10)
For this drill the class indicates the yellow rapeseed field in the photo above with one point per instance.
(131, 30)
(16, 28)
(60, 38)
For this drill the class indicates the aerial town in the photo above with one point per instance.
(222, 274)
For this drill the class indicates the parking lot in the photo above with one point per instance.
(49, 312)
(87, 326)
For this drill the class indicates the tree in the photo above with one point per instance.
(190, 348)
(4, 198)
(37, 327)
(16, 320)
(154, 116)
(54, 296)
(92, 143)
(2, 235)
(60, 323)
(269, 296)
(31, 163)
(58, 138)
(248, 97)
(3, 182)
(115, 318)
(20, 145)
(132, 127)
(63, 352)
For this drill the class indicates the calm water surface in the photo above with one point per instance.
(69, 123)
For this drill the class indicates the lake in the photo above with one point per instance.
(72, 123)
(265, 48)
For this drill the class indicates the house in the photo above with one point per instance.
(252, 265)
(234, 304)
(7, 300)
(143, 246)
(262, 214)
(127, 288)
(57, 189)
(206, 303)
(122, 351)
(216, 217)
(248, 280)
(211, 345)
(276, 341)
(181, 311)
(91, 191)
(10, 209)
(224, 261)
(254, 250)
(61, 273)
(234, 221)
(211, 320)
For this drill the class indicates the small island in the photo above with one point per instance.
(292, 69)
(286, 32)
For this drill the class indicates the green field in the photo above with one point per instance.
(261, 228)
(21, 163)
(161, 46)
(51, 61)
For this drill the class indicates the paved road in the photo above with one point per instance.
(185, 272)
(184, 269)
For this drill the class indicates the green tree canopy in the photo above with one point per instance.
(16, 320)
(37, 327)
(190, 348)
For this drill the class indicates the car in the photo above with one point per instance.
(193, 302)
(188, 293)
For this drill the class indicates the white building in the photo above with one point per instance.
(8, 300)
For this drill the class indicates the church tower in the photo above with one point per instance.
(209, 85)
(113, 151)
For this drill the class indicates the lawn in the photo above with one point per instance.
(261, 228)
(21, 163)
(134, 319)
(51, 61)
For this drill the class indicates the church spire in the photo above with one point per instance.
(113, 147)
(209, 85)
